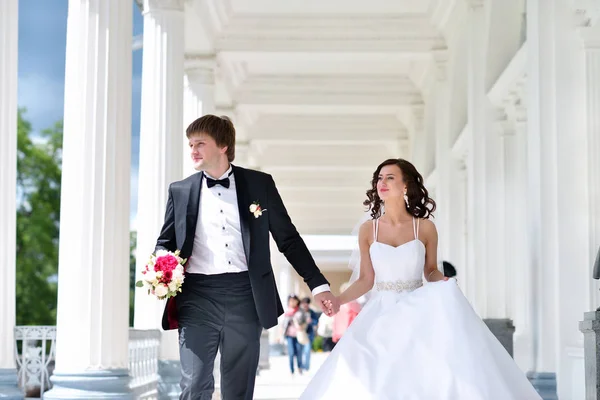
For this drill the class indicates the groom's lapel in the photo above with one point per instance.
(241, 188)
(191, 218)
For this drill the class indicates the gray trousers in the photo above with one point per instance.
(217, 312)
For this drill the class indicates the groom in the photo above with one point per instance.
(220, 219)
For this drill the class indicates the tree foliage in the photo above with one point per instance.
(39, 160)
(132, 248)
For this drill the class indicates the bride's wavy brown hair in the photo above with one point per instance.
(420, 205)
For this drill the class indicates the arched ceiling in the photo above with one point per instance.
(321, 91)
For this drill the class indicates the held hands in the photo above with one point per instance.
(328, 303)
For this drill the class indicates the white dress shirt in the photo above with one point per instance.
(218, 246)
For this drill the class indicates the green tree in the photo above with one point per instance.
(132, 246)
(39, 162)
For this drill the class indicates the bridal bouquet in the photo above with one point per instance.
(163, 275)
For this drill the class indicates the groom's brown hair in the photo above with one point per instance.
(221, 129)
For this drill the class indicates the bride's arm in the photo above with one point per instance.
(429, 236)
(364, 283)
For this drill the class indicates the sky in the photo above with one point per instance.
(42, 43)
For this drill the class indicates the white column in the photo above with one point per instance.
(591, 38)
(542, 183)
(285, 279)
(161, 143)
(192, 108)
(161, 137)
(243, 156)
(494, 185)
(199, 99)
(93, 278)
(444, 166)
(457, 204)
(418, 138)
(426, 162)
(8, 186)
(478, 118)
(517, 243)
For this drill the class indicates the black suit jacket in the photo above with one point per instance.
(251, 186)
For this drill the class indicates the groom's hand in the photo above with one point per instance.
(328, 303)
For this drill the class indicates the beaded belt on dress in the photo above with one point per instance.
(399, 286)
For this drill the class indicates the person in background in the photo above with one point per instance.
(343, 319)
(449, 270)
(291, 326)
(312, 320)
(325, 330)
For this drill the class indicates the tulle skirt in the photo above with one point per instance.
(428, 344)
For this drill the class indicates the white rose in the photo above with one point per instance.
(161, 253)
(253, 208)
(178, 273)
(173, 286)
(161, 290)
(159, 274)
(150, 276)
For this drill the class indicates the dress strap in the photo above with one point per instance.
(375, 229)
(416, 227)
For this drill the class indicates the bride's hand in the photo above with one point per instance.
(334, 305)
(329, 303)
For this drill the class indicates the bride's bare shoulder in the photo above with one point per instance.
(366, 230)
(427, 227)
(366, 226)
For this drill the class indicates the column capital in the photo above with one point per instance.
(200, 69)
(461, 166)
(587, 12)
(516, 111)
(440, 64)
(500, 121)
(163, 5)
(586, 16)
(228, 111)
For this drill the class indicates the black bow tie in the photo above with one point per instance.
(223, 182)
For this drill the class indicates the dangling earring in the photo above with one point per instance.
(406, 199)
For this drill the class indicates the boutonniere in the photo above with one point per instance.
(256, 209)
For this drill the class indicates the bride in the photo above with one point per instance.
(412, 341)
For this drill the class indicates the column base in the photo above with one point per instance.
(544, 383)
(504, 330)
(169, 372)
(590, 327)
(9, 388)
(263, 361)
(104, 384)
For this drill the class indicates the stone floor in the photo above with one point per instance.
(277, 383)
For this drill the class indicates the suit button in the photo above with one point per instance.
(229, 262)
(226, 245)
(223, 227)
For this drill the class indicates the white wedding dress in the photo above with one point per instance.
(415, 342)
